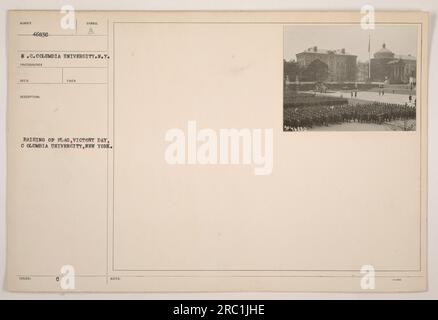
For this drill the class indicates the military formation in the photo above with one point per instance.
(293, 100)
(304, 118)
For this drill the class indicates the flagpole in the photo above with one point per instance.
(369, 57)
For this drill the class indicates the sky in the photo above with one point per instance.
(400, 39)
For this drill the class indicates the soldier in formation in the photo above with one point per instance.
(297, 119)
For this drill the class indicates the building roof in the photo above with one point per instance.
(384, 53)
(402, 58)
(394, 61)
(405, 57)
(317, 50)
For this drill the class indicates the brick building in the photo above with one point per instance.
(341, 66)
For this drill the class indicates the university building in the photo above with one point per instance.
(387, 66)
(340, 65)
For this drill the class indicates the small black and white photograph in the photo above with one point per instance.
(345, 78)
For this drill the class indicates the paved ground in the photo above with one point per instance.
(355, 126)
(371, 96)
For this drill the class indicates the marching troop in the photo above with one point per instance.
(303, 118)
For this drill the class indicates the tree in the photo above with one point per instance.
(291, 70)
(316, 71)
